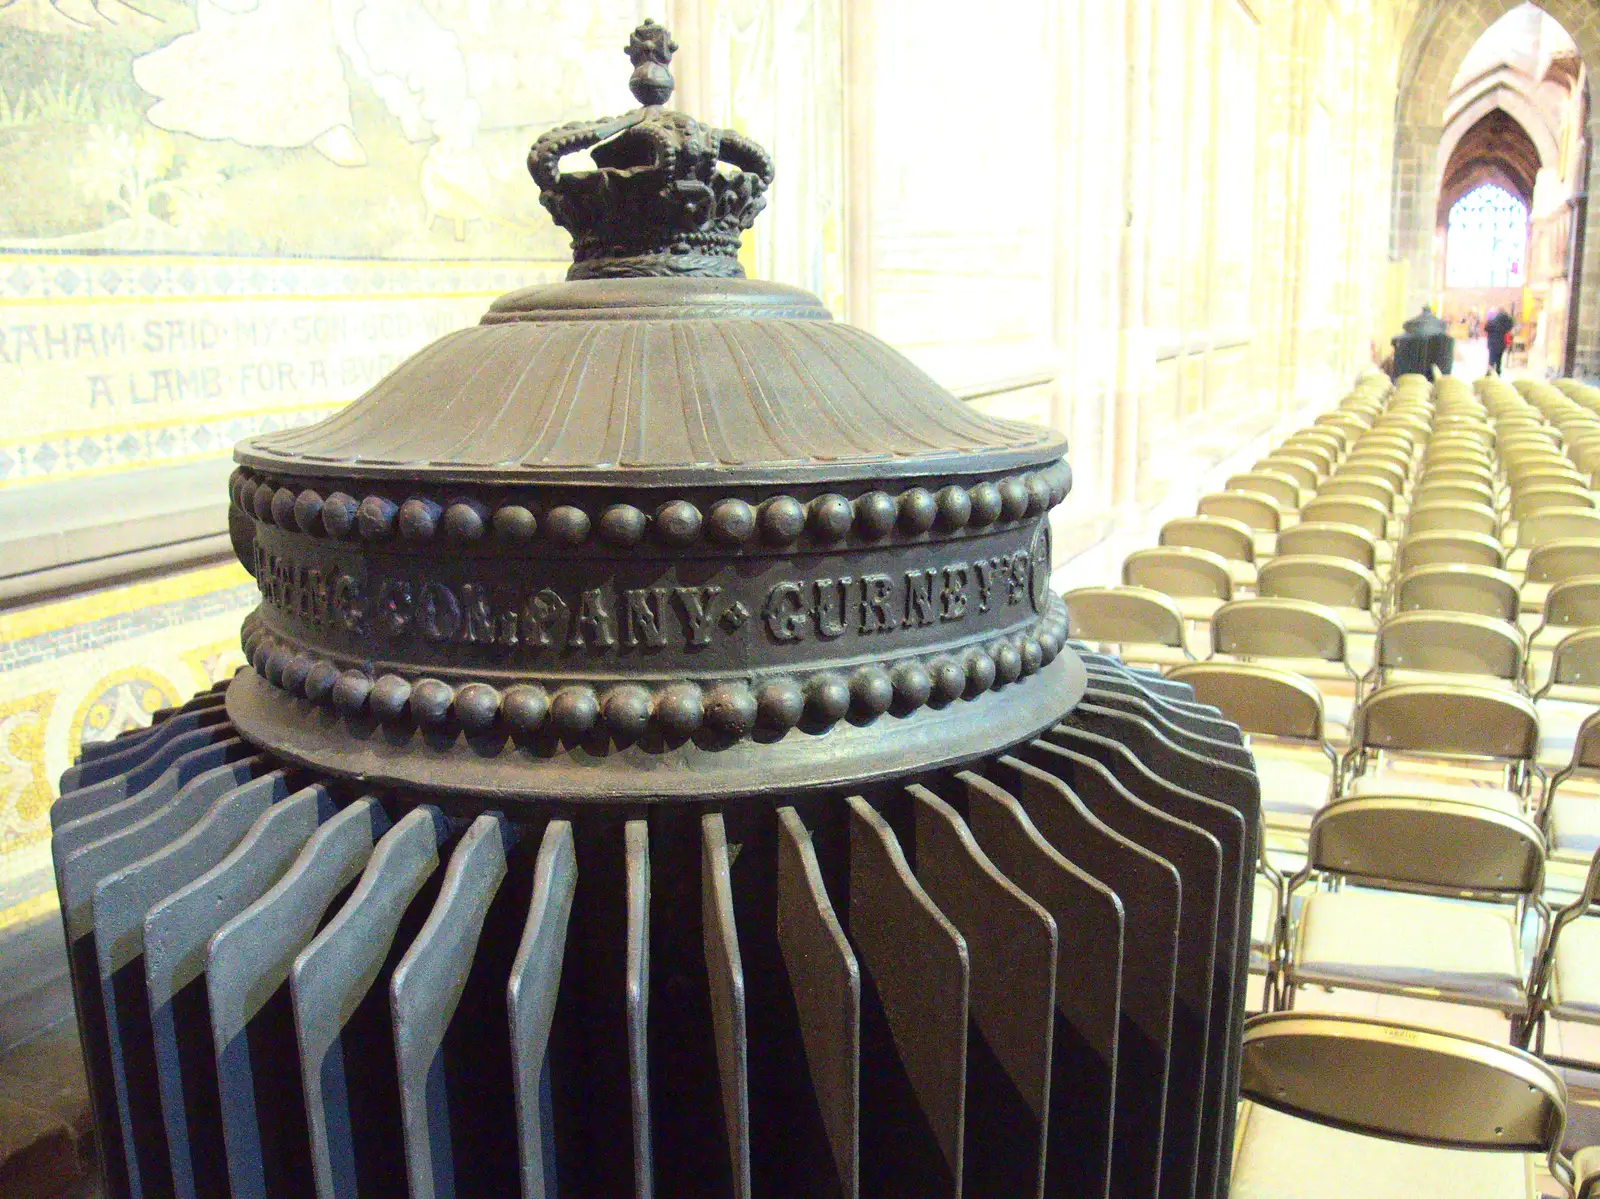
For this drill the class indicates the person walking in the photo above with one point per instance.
(1497, 330)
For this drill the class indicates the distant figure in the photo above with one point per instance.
(1497, 331)
(1474, 323)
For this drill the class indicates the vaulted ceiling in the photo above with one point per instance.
(1496, 149)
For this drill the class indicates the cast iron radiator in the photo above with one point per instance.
(662, 769)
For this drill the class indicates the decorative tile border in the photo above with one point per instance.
(28, 277)
(119, 626)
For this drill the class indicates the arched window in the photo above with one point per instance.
(1488, 239)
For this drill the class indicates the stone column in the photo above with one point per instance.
(1416, 202)
(1586, 294)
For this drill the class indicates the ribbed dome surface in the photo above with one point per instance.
(676, 380)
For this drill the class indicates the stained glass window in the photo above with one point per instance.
(1488, 239)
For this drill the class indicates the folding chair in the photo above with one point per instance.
(1469, 742)
(1419, 647)
(1357, 482)
(1143, 625)
(1433, 549)
(1396, 474)
(1568, 691)
(1544, 497)
(1329, 540)
(1392, 930)
(1226, 538)
(1572, 821)
(1340, 1106)
(1458, 587)
(1284, 490)
(1341, 584)
(1459, 472)
(1259, 512)
(1453, 491)
(1283, 715)
(1453, 518)
(1541, 528)
(1351, 510)
(1198, 580)
(1302, 468)
(1550, 563)
(1570, 605)
(1299, 636)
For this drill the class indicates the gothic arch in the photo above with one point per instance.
(1438, 40)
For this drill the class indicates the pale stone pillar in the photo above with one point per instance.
(1416, 203)
(1586, 295)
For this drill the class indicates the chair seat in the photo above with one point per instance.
(1386, 941)
(1295, 781)
(1533, 596)
(1242, 573)
(1574, 823)
(1576, 986)
(1447, 677)
(1197, 607)
(1561, 713)
(1357, 621)
(1284, 1157)
(1414, 787)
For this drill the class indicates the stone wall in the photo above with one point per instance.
(1158, 225)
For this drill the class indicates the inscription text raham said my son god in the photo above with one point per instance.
(610, 617)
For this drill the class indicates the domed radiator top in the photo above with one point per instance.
(662, 770)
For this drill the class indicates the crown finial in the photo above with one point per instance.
(650, 49)
(671, 196)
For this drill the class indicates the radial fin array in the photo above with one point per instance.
(1022, 978)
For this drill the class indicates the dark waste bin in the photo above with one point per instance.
(1426, 343)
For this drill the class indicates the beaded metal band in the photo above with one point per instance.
(781, 520)
(733, 709)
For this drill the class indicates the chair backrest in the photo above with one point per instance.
(1271, 627)
(1429, 549)
(1124, 616)
(1461, 472)
(1302, 468)
(1319, 579)
(1458, 518)
(1563, 558)
(1382, 467)
(1324, 451)
(1455, 720)
(1348, 510)
(1372, 487)
(1545, 497)
(1259, 699)
(1258, 511)
(1179, 570)
(1453, 491)
(1560, 524)
(1327, 539)
(1223, 537)
(1281, 489)
(1576, 661)
(1416, 1085)
(1428, 844)
(1573, 603)
(1458, 587)
(1373, 449)
(1451, 643)
(1562, 474)
(1586, 745)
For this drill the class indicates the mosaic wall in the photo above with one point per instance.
(86, 669)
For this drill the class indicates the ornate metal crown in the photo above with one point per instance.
(671, 195)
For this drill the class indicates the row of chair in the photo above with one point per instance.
(1452, 594)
